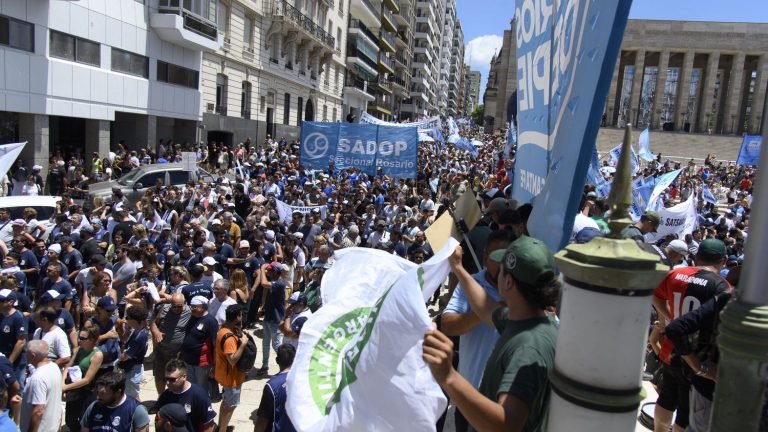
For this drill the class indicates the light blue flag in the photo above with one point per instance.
(707, 195)
(662, 183)
(645, 146)
(750, 150)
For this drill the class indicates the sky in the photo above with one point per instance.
(484, 21)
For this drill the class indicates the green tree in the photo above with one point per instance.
(478, 115)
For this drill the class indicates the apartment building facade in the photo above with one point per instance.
(80, 77)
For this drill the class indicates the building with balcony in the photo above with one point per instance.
(81, 76)
(472, 90)
(426, 63)
(372, 41)
(456, 72)
(280, 62)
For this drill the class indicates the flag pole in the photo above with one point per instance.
(743, 341)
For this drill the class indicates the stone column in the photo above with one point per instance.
(710, 77)
(97, 136)
(733, 99)
(637, 86)
(683, 89)
(146, 133)
(614, 93)
(661, 82)
(758, 97)
(34, 128)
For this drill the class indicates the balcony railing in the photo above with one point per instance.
(372, 8)
(387, 61)
(357, 24)
(387, 36)
(359, 83)
(352, 51)
(400, 58)
(394, 79)
(384, 84)
(286, 10)
(199, 18)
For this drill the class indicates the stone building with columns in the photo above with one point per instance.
(78, 77)
(687, 76)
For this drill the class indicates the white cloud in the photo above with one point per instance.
(480, 50)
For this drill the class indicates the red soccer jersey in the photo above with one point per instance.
(685, 289)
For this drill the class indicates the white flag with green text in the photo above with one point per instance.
(358, 366)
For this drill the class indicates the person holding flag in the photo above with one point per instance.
(514, 391)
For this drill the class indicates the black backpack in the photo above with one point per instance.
(248, 359)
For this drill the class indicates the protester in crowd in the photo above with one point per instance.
(169, 329)
(273, 307)
(296, 314)
(514, 391)
(683, 290)
(230, 345)
(47, 330)
(477, 338)
(272, 415)
(648, 223)
(198, 347)
(200, 413)
(134, 339)
(80, 376)
(41, 399)
(114, 409)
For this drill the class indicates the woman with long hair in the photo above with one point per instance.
(239, 283)
(100, 288)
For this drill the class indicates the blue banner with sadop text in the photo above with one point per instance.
(750, 150)
(566, 52)
(368, 147)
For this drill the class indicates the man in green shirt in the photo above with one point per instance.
(514, 392)
(648, 222)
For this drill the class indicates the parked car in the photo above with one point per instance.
(137, 181)
(45, 205)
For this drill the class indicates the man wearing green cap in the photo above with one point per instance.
(514, 391)
(648, 222)
(683, 290)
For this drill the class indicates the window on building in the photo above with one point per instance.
(245, 101)
(222, 19)
(299, 111)
(287, 109)
(248, 33)
(338, 39)
(17, 34)
(74, 49)
(341, 9)
(334, 114)
(325, 113)
(327, 75)
(172, 74)
(130, 63)
(221, 94)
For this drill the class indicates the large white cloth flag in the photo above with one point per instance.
(662, 183)
(645, 146)
(678, 220)
(8, 155)
(358, 366)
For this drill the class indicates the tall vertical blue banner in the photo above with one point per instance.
(750, 150)
(566, 52)
(367, 147)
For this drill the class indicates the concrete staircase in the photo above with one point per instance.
(676, 145)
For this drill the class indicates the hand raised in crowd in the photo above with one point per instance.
(438, 354)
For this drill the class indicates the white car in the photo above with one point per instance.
(45, 205)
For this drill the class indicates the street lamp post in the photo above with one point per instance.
(607, 288)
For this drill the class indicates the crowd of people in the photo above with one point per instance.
(189, 272)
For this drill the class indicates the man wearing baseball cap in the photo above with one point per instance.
(648, 223)
(683, 290)
(273, 307)
(295, 316)
(516, 374)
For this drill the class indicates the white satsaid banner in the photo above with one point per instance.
(285, 211)
(359, 366)
(678, 220)
(423, 125)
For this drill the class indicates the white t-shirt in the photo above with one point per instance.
(58, 343)
(219, 309)
(582, 222)
(43, 388)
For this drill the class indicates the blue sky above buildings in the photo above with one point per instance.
(484, 21)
